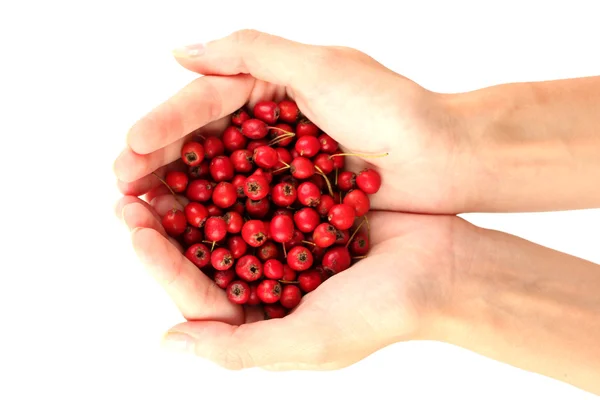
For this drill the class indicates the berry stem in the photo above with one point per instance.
(307, 242)
(282, 130)
(168, 187)
(281, 169)
(288, 282)
(284, 250)
(281, 138)
(363, 155)
(359, 257)
(336, 176)
(356, 231)
(320, 171)
(213, 246)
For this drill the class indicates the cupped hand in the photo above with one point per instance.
(366, 107)
(394, 294)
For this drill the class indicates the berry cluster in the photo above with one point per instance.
(271, 210)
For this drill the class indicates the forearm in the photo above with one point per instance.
(529, 306)
(534, 146)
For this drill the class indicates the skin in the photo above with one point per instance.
(505, 148)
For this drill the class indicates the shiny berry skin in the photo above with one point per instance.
(307, 146)
(234, 222)
(324, 163)
(281, 130)
(213, 146)
(254, 232)
(264, 173)
(319, 182)
(302, 168)
(358, 200)
(267, 251)
(249, 268)
(288, 273)
(233, 139)
(267, 229)
(238, 292)
(288, 111)
(281, 228)
(325, 204)
(174, 222)
(336, 260)
(273, 269)
(256, 187)
(359, 246)
(269, 291)
(199, 190)
(214, 211)
(255, 144)
(306, 128)
(224, 278)
(306, 219)
(237, 246)
(267, 111)
(254, 129)
(342, 236)
(221, 169)
(309, 194)
(328, 145)
(192, 235)
(290, 296)
(283, 156)
(346, 181)
(294, 153)
(242, 160)
(224, 195)
(299, 258)
(238, 182)
(265, 157)
(309, 280)
(324, 235)
(192, 153)
(273, 311)
(341, 216)
(215, 229)
(253, 300)
(221, 259)
(200, 171)
(297, 238)
(198, 254)
(368, 180)
(196, 214)
(257, 208)
(239, 116)
(177, 181)
(338, 162)
(283, 194)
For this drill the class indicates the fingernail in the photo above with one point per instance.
(178, 342)
(193, 50)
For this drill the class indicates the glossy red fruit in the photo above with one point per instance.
(283, 157)
(199, 190)
(174, 222)
(254, 232)
(265, 157)
(233, 139)
(269, 291)
(309, 280)
(192, 235)
(306, 128)
(324, 235)
(281, 228)
(325, 204)
(319, 181)
(368, 180)
(213, 146)
(283, 194)
(200, 171)
(196, 214)
(239, 116)
(307, 146)
(297, 239)
(299, 258)
(339, 161)
(358, 200)
(221, 259)
(254, 144)
(289, 274)
(328, 145)
(306, 219)
(254, 128)
(242, 160)
(346, 181)
(341, 216)
(288, 111)
(237, 246)
(192, 153)
(336, 260)
(238, 292)
(268, 251)
(294, 153)
(238, 182)
(258, 208)
(224, 195)
(224, 278)
(256, 187)
(198, 254)
(302, 168)
(215, 229)
(234, 221)
(214, 211)
(290, 296)
(267, 111)
(267, 174)
(342, 237)
(177, 181)
(281, 130)
(324, 163)
(253, 300)
(221, 169)
(309, 194)
(272, 311)
(359, 246)
(273, 269)
(284, 211)
(239, 207)
(249, 268)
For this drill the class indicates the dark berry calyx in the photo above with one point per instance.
(191, 157)
(302, 257)
(259, 237)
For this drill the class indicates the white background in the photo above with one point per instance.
(81, 320)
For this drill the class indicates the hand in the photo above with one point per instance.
(394, 294)
(366, 107)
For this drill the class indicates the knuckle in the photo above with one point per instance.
(215, 101)
(229, 359)
(246, 37)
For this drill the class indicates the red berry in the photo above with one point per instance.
(215, 229)
(296, 240)
(201, 171)
(221, 259)
(324, 163)
(239, 116)
(199, 190)
(177, 181)
(324, 235)
(238, 183)
(238, 292)
(299, 258)
(214, 211)
(288, 111)
(306, 219)
(281, 228)
(198, 254)
(306, 128)
(234, 221)
(233, 139)
(221, 169)
(237, 246)
(255, 144)
(336, 260)
(256, 187)
(224, 278)
(273, 269)
(288, 273)
(213, 146)
(359, 246)
(257, 208)
(328, 145)
(308, 146)
(342, 236)
(192, 153)
(192, 235)
(253, 300)
(242, 160)
(254, 232)
(290, 296)
(280, 130)
(302, 168)
(196, 214)
(358, 200)
(265, 157)
(239, 207)
(249, 268)
(267, 111)
(338, 162)
(368, 180)
(325, 204)
(269, 291)
(284, 211)
(264, 173)
(254, 128)
(283, 194)
(309, 194)
(309, 280)
(341, 216)
(346, 181)
(284, 156)
(272, 311)
(224, 195)
(319, 181)
(174, 222)
(294, 153)
(268, 251)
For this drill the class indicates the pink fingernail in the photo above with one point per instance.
(193, 50)
(178, 342)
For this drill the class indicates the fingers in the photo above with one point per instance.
(204, 100)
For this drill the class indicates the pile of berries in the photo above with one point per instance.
(272, 214)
